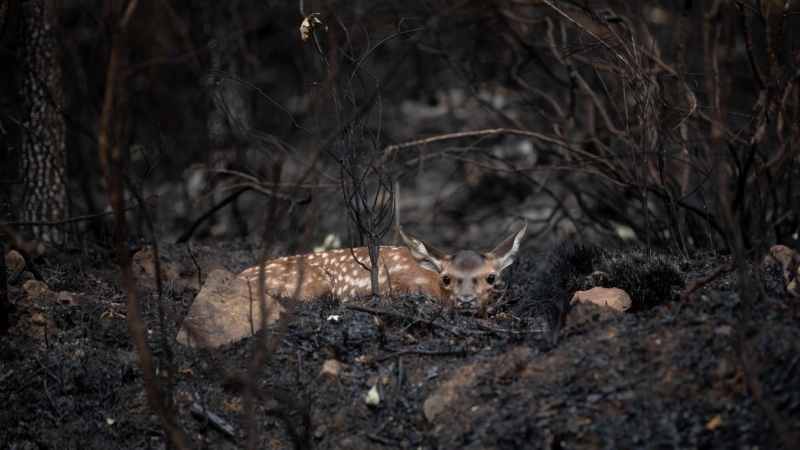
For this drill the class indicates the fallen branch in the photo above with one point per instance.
(202, 414)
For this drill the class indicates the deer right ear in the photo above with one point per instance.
(507, 250)
(426, 255)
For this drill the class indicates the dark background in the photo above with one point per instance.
(225, 94)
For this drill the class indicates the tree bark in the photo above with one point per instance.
(43, 131)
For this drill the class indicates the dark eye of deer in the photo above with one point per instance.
(490, 279)
(446, 280)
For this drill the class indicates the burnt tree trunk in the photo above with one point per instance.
(42, 143)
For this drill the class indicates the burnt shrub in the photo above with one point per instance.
(545, 288)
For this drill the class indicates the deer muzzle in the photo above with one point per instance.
(468, 301)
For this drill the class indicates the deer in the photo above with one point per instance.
(462, 280)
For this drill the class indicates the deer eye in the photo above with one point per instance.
(446, 280)
(490, 279)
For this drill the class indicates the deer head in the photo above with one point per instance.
(465, 276)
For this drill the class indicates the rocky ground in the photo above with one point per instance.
(401, 372)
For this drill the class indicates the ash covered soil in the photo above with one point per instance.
(667, 376)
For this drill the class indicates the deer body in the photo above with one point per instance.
(463, 280)
(336, 272)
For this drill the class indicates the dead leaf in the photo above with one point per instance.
(365, 359)
(714, 423)
(308, 24)
(372, 398)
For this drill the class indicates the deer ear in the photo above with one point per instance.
(507, 250)
(426, 255)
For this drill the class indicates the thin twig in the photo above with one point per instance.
(379, 312)
(199, 270)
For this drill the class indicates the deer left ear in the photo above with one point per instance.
(426, 255)
(507, 250)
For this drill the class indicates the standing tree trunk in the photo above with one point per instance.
(43, 155)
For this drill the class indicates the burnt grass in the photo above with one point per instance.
(666, 376)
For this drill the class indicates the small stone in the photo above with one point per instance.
(143, 264)
(437, 402)
(78, 355)
(783, 257)
(38, 319)
(38, 290)
(723, 330)
(331, 369)
(724, 369)
(608, 334)
(65, 298)
(626, 396)
(14, 260)
(614, 298)
(593, 398)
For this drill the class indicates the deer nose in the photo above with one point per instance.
(467, 301)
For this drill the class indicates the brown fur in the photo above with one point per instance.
(418, 269)
(336, 272)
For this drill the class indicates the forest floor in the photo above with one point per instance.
(667, 377)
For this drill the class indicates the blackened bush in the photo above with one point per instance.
(650, 280)
(545, 289)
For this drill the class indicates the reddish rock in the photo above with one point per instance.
(14, 260)
(331, 369)
(224, 311)
(65, 298)
(144, 268)
(39, 319)
(789, 262)
(614, 298)
(783, 257)
(38, 290)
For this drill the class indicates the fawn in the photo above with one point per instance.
(462, 280)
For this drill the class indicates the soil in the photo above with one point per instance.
(669, 376)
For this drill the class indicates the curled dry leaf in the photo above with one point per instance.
(714, 423)
(372, 398)
(308, 23)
